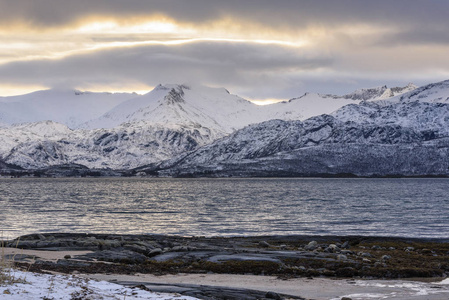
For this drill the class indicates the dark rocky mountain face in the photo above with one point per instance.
(409, 139)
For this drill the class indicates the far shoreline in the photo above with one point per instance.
(304, 237)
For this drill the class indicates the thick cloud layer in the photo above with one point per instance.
(284, 13)
(259, 48)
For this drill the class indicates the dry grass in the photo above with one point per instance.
(7, 268)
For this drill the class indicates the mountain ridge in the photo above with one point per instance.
(182, 130)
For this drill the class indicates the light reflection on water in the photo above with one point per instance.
(388, 207)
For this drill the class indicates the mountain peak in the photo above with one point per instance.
(175, 95)
(367, 94)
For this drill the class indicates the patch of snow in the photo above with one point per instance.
(43, 286)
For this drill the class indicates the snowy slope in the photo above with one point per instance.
(220, 111)
(424, 108)
(432, 93)
(306, 106)
(213, 108)
(64, 106)
(122, 147)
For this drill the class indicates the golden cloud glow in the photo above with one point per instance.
(13, 90)
(266, 101)
(138, 88)
(101, 34)
(146, 27)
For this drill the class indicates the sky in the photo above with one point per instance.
(257, 49)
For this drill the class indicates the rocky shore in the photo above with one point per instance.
(282, 256)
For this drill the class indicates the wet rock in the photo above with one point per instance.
(375, 247)
(347, 252)
(180, 249)
(241, 257)
(346, 298)
(332, 248)
(283, 247)
(136, 248)
(41, 237)
(311, 246)
(23, 244)
(380, 264)
(345, 245)
(386, 257)
(155, 252)
(364, 254)
(19, 257)
(208, 292)
(118, 255)
(110, 243)
(264, 244)
(72, 263)
(342, 257)
(273, 295)
(115, 237)
(48, 244)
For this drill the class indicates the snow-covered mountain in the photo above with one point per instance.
(407, 135)
(194, 129)
(220, 111)
(122, 147)
(187, 106)
(214, 108)
(379, 93)
(69, 107)
(323, 145)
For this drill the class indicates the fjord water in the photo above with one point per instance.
(225, 207)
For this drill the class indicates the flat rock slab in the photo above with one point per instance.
(242, 257)
(209, 292)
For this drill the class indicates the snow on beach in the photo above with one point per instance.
(60, 287)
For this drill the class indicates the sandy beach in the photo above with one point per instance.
(316, 288)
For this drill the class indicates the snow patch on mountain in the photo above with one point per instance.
(69, 107)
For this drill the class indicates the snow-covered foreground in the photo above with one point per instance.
(60, 287)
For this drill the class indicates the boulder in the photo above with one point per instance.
(311, 246)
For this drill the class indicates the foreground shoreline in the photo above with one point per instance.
(293, 257)
(290, 255)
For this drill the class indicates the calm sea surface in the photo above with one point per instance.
(226, 207)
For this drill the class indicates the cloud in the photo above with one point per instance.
(217, 63)
(339, 45)
(289, 13)
(250, 69)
